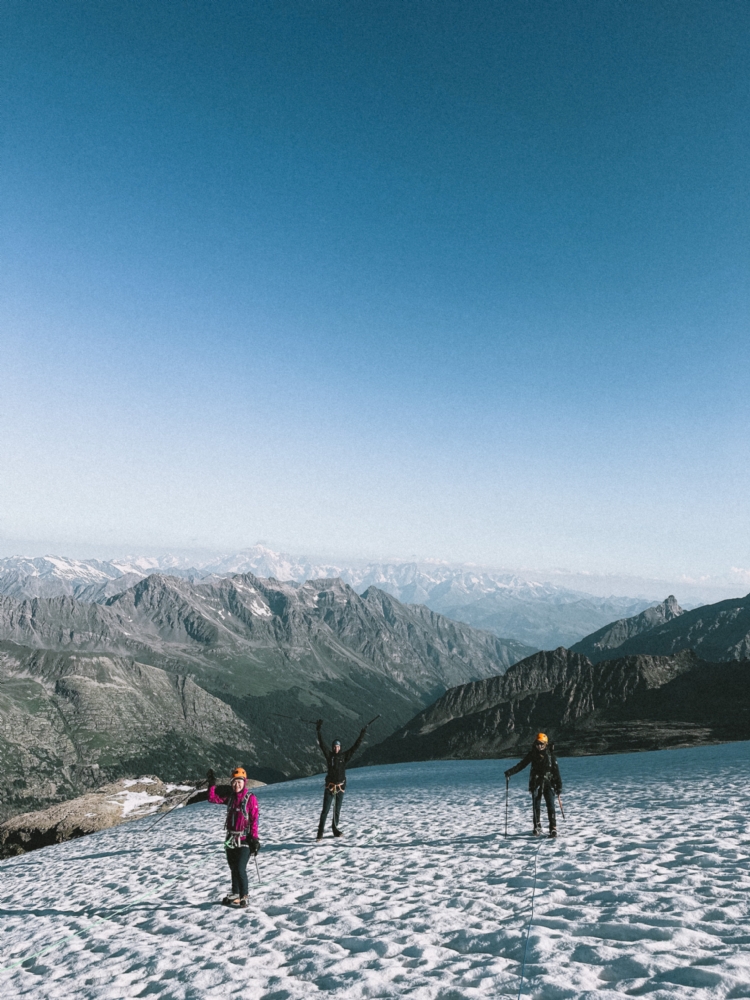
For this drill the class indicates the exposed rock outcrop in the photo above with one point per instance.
(108, 806)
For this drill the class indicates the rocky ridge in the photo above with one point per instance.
(718, 631)
(629, 703)
(601, 644)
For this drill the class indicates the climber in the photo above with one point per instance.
(544, 780)
(335, 785)
(242, 830)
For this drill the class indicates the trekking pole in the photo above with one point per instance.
(507, 785)
(561, 808)
(182, 800)
(373, 720)
(255, 858)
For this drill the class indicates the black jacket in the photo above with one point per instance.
(336, 773)
(544, 769)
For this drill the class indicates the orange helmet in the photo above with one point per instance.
(541, 738)
(239, 772)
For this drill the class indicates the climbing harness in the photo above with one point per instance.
(234, 841)
(334, 788)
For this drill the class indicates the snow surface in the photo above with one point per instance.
(645, 893)
(130, 801)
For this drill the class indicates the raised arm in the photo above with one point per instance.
(321, 744)
(355, 746)
(214, 795)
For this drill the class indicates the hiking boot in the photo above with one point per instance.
(552, 832)
(230, 899)
(537, 831)
(243, 902)
(337, 833)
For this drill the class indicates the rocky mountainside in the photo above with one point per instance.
(715, 631)
(600, 644)
(250, 636)
(536, 614)
(171, 676)
(629, 703)
(70, 721)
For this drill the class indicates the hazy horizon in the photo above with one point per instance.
(697, 589)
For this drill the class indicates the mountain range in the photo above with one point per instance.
(172, 676)
(538, 614)
(175, 673)
(625, 704)
(665, 677)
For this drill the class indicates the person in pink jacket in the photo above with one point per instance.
(242, 830)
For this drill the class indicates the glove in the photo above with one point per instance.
(254, 844)
(318, 723)
(507, 775)
(210, 778)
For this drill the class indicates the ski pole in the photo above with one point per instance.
(561, 808)
(507, 788)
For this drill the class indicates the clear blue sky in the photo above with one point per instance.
(454, 279)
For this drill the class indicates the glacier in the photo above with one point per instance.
(646, 891)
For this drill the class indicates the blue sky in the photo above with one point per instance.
(464, 280)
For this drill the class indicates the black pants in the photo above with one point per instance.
(327, 799)
(536, 801)
(237, 859)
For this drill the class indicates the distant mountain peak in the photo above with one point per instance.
(671, 608)
(601, 644)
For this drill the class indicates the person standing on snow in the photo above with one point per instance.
(336, 761)
(241, 825)
(544, 780)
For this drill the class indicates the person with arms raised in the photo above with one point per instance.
(336, 761)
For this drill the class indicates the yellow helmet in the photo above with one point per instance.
(541, 738)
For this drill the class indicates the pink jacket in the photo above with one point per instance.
(242, 811)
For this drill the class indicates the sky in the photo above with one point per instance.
(461, 280)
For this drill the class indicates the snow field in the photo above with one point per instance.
(644, 893)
